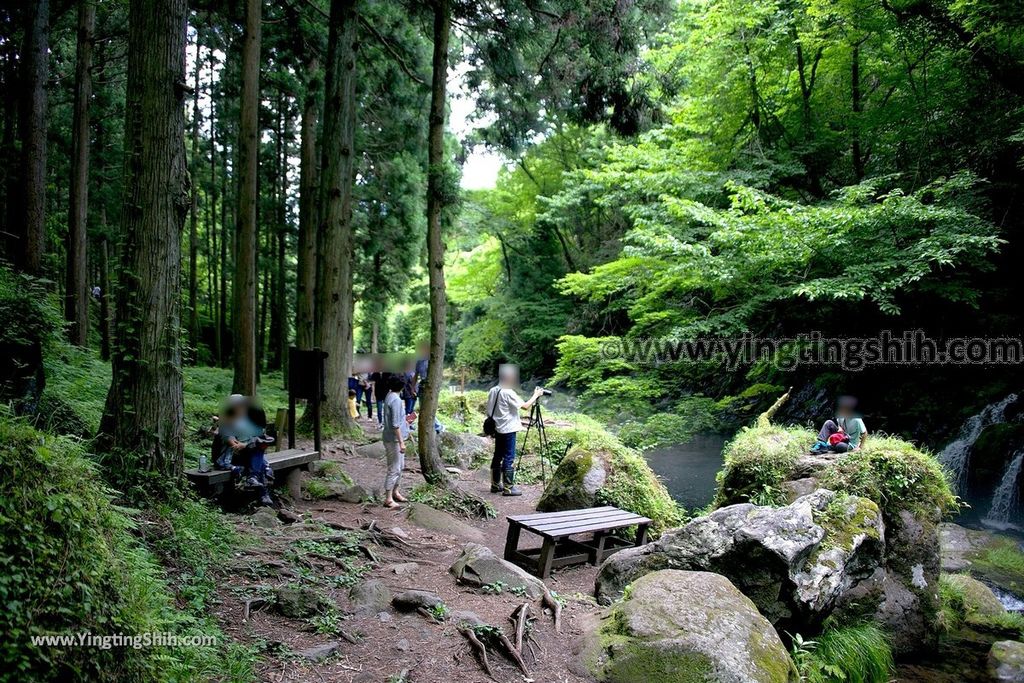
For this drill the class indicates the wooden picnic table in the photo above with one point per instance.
(558, 549)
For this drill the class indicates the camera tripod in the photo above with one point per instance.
(537, 420)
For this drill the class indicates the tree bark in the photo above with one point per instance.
(143, 415)
(305, 282)
(76, 297)
(334, 296)
(29, 196)
(193, 230)
(430, 458)
(105, 340)
(243, 323)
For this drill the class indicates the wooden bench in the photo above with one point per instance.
(558, 550)
(214, 481)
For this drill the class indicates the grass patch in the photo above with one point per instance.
(1004, 556)
(858, 653)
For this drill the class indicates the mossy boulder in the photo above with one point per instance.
(1006, 661)
(794, 562)
(616, 476)
(757, 462)
(980, 603)
(300, 602)
(685, 627)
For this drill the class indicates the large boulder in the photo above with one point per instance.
(614, 475)
(685, 627)
(794, 562)
(1006, 661)
(478, 566)
(462, 450)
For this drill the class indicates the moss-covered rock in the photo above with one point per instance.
(686, 627)
(616, 476)
(757, 462)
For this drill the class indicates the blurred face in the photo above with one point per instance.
(508, 375)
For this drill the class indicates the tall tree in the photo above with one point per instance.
(243, 322)
(26, 199)
(305, 282)
(76, 295)
(430, 457)
(334, 295)
(193, 228)
(144, 408)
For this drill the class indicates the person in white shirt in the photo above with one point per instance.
(503, 405)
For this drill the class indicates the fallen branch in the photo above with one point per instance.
(248, 607)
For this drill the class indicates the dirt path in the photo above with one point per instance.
(389, 643)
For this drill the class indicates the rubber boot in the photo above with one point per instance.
(510, 488)
(496, 485)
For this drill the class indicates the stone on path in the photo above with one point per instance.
(299, 602)
(370, 597)
(374, 450)
(411, 600)
(319, 652)
(685, 627)
(265, 518)
(478, 566)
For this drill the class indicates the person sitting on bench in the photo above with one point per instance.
(244, 439)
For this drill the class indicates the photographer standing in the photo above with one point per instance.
(503, 406)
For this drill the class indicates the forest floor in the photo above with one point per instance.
(390, 646)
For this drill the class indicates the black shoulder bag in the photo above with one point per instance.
(490, 426)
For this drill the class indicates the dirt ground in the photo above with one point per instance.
(390, 644)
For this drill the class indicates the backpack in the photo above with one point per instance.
(838, 437)
(490, 426)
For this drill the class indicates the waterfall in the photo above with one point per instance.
(1004, 501)
(956, 456)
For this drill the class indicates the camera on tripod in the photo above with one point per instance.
(545, 392)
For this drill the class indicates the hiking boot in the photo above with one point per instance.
(266, 500)
(510, 488)
(496, 486)
(252, 482)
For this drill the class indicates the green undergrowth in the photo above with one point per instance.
(77, 384)
(74, 562)
(685, 420)
(462, 412)
(858, 653)
(1003, 556)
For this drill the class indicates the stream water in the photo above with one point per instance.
(689, 469)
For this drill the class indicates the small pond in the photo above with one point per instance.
(689, 469)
